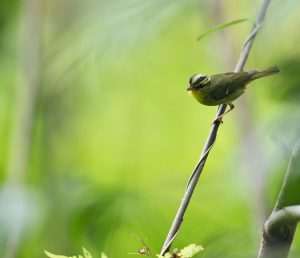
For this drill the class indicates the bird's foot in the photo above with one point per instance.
(218, 120)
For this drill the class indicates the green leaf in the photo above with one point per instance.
(190, 250)
(221, 26)
(103, 255)
(86, 254)
(186, 252)
(57, 256)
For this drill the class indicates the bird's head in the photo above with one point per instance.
(198, 81)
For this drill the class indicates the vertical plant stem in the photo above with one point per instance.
(26, 98)
(211, 137)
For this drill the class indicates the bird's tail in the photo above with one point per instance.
(255, 74)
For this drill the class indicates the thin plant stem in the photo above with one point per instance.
(173, 232)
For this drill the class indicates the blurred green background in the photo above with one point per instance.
(98, 135)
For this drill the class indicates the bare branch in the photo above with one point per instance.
(211, 137)
(280, 228)
(290, 214)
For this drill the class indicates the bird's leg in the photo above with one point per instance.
(219, 118)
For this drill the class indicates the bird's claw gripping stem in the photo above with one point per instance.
(218, 120)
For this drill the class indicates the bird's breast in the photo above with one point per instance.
(198, 95)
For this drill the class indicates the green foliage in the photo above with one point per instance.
(86, 254)
(8, 9)
(187, 252)
(116, 136)
(289, 81)
(221, 27)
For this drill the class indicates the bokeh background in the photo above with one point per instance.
(99, 137)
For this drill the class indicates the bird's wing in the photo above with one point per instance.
(220, 92)
(237, 80)
(226, 84)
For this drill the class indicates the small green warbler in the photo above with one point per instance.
(223, 88)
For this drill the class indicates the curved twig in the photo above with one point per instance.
(211, 137)
(290, 214)
(279, 229)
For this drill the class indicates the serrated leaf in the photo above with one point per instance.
(86, 254)
(221, 26)
(57, 256)
(190, 250)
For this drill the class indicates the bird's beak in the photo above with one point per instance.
(189, 88)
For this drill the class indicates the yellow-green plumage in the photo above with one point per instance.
(224, 88)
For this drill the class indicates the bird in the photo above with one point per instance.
(224, 88)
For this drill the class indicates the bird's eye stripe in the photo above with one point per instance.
(197, 78)
(192, 78)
